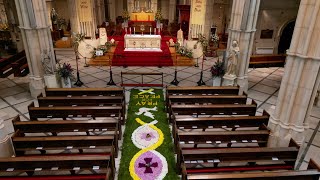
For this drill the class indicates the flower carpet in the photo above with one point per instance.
(147, 151)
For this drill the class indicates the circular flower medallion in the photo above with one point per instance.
(151, 165)
(144, 136)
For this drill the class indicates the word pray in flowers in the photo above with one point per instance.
(145, 111)
(146, 99)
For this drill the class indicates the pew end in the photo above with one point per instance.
(293, 143)
(313, 165)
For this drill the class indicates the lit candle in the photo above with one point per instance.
(150, 30)
(145, 4)
(134, 30)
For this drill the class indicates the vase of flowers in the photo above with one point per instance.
(217, 71)
(158, 18)
(215, 39)
(65, 73)
(126, 18)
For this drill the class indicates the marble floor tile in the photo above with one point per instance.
(313, 121)
(10, 111)
(88, 79)
(315, 111)
(274, 78)
(272, 100)
(23, 107)
(7, 84)
(313, 153)
(18, 98)
(258, 95)
(97, 84)
(9, 126)
(258, 73)
(11, 91)
(101, 75)
(3, 104)
(254, 78)
(272, 83)
(265, 70)
(264, 89)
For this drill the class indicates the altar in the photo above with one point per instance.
(137, 42)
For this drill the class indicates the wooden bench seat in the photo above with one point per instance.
(84, 92)
(222, 122)
(58, 126)
(196, 99)
(259, 61)
(83, 101)
(238, 159)
(312, 173)
(53, 164)
(77, 111)
(213, 109)
(61, 177)
(204, 91)
(224, 137)
(24, 143)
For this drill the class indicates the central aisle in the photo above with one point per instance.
(147, 151)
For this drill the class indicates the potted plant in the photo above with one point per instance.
(215, 39)
(217, 71)
(65, 73)
(183, 51)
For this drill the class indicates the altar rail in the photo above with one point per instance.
(142, 84)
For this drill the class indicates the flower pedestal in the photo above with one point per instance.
(229, 80)
(65, 82)
(51, 81)
(216, 81)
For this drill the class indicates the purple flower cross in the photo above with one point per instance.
(148, 164)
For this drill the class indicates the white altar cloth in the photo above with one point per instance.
(137, 42)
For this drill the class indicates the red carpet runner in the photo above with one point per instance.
(141, 58)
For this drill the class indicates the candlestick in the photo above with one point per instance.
(154, 30)
(150, 30)
(134, 30)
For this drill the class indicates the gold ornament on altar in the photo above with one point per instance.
(125, 15)
(142, 27)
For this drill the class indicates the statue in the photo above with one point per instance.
(54, 16)
(233, 58)
(46, 62)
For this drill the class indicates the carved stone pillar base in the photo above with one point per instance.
(36, 86)
(282, 133)
(243, 83)
(229, 80)
(6, 149)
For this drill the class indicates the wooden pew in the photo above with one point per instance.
(204, 91)
(77, 111)
(20, 67)
(51, 165)
(312, 173)
(222, 122)
(6, 67)
(247, 158)
(259, 61)
(57, 126)
(213, 109)
(23, 143)
(84, 92)
(83, 101)
(196, 99)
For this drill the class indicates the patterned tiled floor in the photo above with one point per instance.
(264, 84)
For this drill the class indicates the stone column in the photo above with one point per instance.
(242, 28)
(6, 148)
(172, 10)
(208, 18)
(112, 10)
(36, 35)
(301, 78)
(74, 18)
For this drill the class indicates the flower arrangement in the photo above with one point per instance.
(104, 48)
(158, 16)
(176, 45)
(125, 15)
(203, 41)
(77, 38)
(217, 70)
(65, 71)
(185, 52)
(214, 38)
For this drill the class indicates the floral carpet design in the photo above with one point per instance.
(147, 152)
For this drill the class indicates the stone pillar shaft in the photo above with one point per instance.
(36, 35)
(242, 29)
(172, 10)
(301, 78)
(74, 18)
